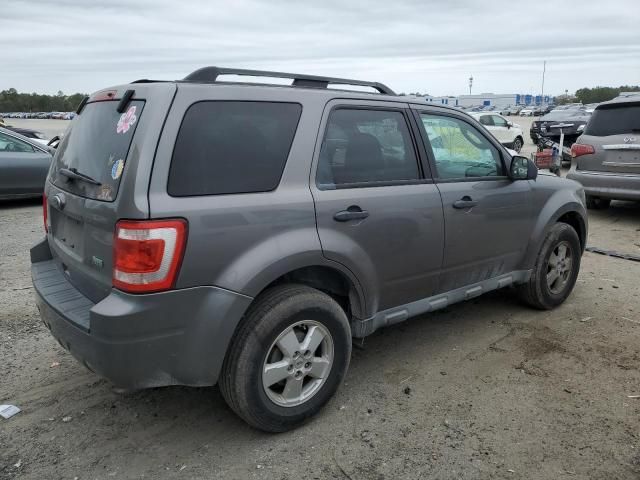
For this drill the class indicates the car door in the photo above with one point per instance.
(501, 129)
(23, 167)
(488, 217)
(378, 211)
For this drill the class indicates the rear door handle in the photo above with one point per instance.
(465, 202)
(352, 213)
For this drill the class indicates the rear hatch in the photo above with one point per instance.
(100, 174)
(614, 133)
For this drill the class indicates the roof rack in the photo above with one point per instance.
(210, 75)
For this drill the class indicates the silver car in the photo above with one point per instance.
(607, 154)
(23, 166)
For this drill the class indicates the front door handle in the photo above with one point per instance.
(465, 202)
(352, 213)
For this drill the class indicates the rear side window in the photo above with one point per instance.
(363, 147)
(615, 119)
(232, 147)
(97, 145)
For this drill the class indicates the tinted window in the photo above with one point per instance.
(364, 146)
(12, 144)
(232, 147)
(97, 145)
(459, 150)
(614, 120)
(486, 120)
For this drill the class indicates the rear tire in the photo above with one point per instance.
(555, 271)
(269, 377)
(596, 203)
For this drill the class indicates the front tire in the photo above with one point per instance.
(287, 358)
(517, 144)
(556, 269)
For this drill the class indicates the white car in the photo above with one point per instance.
(508, 133)
(527, 111)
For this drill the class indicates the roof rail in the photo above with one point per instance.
(210, 75)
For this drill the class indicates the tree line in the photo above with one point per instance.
(602, 94)
(12, 101)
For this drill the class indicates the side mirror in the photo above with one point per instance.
(522, 169)
(509, 124)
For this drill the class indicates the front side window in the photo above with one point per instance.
(232, 147)
(499, 121)
(13, 145)
(366, 147)
(460, 150)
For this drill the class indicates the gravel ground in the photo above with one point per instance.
(484, 389)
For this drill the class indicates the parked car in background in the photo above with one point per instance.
(528, 111)
(607, 154)
(378, 228)
(508, 133)
(34, 135)
(571, 121)
(23, 165)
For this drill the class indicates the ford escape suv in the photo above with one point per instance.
(204, 231)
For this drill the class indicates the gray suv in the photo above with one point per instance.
(607, 154)
(202, 232)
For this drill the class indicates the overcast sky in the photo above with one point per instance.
(411, 45)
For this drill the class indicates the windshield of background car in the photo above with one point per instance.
(96, 145)
(614, 119)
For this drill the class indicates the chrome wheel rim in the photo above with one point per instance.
(559, 268)
(517, 145)
(297, 363)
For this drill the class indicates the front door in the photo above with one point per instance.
(488, 217)
(23, 168)
(378, 212)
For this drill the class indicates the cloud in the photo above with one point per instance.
(428, 46)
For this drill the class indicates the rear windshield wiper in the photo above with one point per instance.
(72, 173)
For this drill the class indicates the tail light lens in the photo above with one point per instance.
(579, 149)
(147, 254)
(45, 212)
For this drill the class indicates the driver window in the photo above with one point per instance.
(459, 150)
(10, 144)
(499, 121)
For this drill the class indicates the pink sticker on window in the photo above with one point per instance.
(126, 120)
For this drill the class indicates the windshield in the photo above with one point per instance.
(96, 146)
(614, 120)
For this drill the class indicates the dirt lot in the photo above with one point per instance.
(486, 389)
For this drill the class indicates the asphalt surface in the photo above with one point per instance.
(482, 390)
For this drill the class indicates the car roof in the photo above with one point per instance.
(620, 100)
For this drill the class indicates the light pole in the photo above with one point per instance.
(470, 83)
(544, 69)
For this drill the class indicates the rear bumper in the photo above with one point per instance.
(607, 185)
(178, 337)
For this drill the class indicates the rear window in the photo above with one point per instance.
(614, 119)
(96, 145)
(232, 147)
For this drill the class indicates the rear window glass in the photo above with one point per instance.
(96, 145)
(232, 147)
(614, 120)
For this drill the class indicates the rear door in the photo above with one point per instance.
(378, 212)
(23, 167)
(488, 217)
(614, 132)
(115, 150)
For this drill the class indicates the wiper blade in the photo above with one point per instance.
(72, 173)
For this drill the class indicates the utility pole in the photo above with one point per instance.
(544, 69)
(470, 83)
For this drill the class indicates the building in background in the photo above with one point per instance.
(489, 99)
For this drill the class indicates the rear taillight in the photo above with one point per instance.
(579, 149)
(45, 213)
(147, 254)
